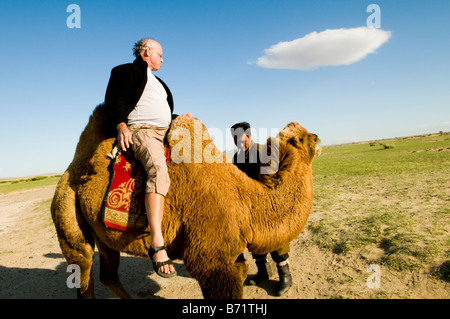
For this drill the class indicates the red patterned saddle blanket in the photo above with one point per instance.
(123, 206)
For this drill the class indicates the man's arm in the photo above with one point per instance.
(118, 95)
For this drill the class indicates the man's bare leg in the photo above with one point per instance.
(154, 204)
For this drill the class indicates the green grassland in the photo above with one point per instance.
(391, 197)
(7, 186)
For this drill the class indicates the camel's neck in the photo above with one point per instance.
(283, 212)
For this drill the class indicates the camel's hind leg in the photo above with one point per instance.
(75, 238)
(109, 267)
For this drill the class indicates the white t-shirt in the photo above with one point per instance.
(152, 108)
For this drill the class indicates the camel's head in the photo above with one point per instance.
(297, 136)
(293, 146)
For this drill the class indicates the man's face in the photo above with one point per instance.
(155, 57)
(242, 142)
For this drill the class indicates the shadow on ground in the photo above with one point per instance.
(38, 283)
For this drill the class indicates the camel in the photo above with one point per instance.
(212, 213)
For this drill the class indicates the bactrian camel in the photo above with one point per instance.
(212, 212)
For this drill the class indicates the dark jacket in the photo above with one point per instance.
(125, 87)
(249, 162)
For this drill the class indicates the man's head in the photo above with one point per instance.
(150, 51)
(242, 135)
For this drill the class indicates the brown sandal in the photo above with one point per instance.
(158, 264)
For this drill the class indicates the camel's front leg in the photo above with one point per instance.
(223, 282)
(217, 279)
(242, 267)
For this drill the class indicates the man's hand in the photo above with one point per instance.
(124, 136)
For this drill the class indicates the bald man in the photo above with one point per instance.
(141, 108)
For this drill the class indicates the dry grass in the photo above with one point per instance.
(390, 204)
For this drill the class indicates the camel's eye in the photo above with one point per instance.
(296, 141)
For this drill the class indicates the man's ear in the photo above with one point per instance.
(146, 52)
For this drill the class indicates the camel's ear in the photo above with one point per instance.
(314, 145)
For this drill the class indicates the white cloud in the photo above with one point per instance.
(329, 47)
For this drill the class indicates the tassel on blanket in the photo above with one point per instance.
(114, 152)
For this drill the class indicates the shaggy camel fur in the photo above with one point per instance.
(212, 212)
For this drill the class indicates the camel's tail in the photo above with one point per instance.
(75, 238)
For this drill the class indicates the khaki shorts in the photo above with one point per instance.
(148, 148)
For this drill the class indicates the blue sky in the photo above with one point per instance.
(53, 76)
